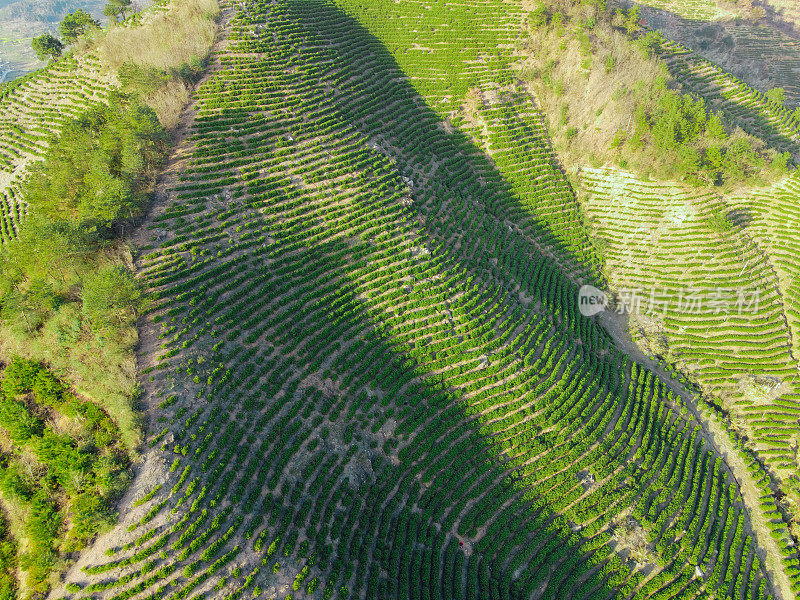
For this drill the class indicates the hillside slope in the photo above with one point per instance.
(75, 150)
(374, 380)
(32, 109)
(706, 270)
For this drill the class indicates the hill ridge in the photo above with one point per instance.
(286, 288)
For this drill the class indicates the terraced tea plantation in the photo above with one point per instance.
(32, 108)
(700, 281)
(676, 245)
(746, 107)
(366, 372)
(773, 214)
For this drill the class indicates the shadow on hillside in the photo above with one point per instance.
(778, 19)
(489, 255)
(412, 136)
(741, 217)
(463, 178)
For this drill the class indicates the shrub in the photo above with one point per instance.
(46, 46)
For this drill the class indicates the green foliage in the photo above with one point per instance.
(781, 162)
(75, 24)
(312, 585)
(46, 46)
(644, 122)
(675, 120)
(19, 377)
(651, 42)
(701, 151)
(94, 174)
(48, 251)
(631, 20)
(719, 222)
(111, 297)
(538, 16)
(116, 9)
(42, 526)
(715, 128)
(192, 70)
(93, 177)
(777, 96)
(82, 471)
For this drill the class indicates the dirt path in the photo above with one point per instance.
(717, 437)
(148, 349)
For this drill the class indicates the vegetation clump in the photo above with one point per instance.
(47, 47)
(72, 27)
(96, 173)
(608, 94)
(75, 24)
(80, 468)
(116, 9)
(65, 291)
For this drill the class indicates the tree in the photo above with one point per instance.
(51, 251)
(652, 42)
(89, 515)
(776, 96)
(75, 25)
(631, 23)
(714, 164)
(92, 174)
(781, 161)
(115, 9)
(43, 254)
(32, 303)
(719, 222)
(690, 161)
(715, 128)
(47, 47)
(111, 296)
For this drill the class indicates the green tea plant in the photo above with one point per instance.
(372, 363)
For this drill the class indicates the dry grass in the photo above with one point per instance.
(579, 91)
(631, 540)
(168, 101)
(167, 40)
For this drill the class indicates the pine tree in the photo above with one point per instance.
(47, 47)
(116, 9)
(75, 25)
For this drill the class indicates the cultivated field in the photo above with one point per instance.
(373, 380)
(32, 108)
(364, 369)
